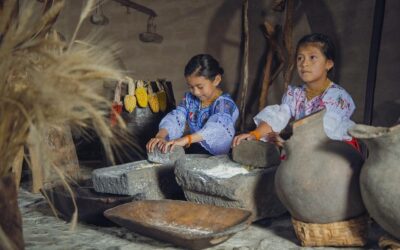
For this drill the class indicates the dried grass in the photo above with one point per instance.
(47, 82)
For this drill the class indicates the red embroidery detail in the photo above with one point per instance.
(353, 142)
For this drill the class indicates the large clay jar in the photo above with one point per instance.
(319, 180)
(380, 175)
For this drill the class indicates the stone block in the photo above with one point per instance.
(141, 178)
(166, 158)
(257, 154)
(218, 180)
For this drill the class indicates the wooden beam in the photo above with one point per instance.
(138, 7)
(379, 14)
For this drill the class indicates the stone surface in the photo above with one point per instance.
(143, 178)
(219, 181)
(43, 231)
(319, 180)
(380, 175)
(257, 154)
(166, 158)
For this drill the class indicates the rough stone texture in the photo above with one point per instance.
(319, 180)
(257, 154)
(149, 180)
(219, 181)
(166, 158)
(380, 175)
(43, 231)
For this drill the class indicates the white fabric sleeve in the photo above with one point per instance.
(276, 116)
(336, 127)
(339, 108)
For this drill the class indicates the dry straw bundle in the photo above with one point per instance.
(46, 82)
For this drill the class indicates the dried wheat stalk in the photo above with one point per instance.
(46, 82)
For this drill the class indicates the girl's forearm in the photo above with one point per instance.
(194, 138)
(162, 133)
(263, 129)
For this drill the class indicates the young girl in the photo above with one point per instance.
(210, 114)
(315, 58)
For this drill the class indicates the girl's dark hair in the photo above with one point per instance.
(203, 65)
(327, 46)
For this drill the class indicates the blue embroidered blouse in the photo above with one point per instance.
(215, 123)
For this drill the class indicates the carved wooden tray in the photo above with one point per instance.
(183, 223)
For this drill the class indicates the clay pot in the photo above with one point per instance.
(380, 175)
(10, 216)
(319, 181)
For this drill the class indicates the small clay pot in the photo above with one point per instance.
(319, 180)
(380, 175)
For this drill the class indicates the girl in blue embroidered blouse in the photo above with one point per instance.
(315, 58)
(210, 114)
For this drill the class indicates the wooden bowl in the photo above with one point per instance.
(186, 224)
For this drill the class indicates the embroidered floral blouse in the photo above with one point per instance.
(215, 123)
(338, 103)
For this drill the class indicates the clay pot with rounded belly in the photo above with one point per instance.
(319, 180)
(380, 175)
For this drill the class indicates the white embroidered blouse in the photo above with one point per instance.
(338, 103)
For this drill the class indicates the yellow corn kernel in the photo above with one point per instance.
(162, 97)
(130, 99)
(153, 100)
(141, 94)
(130, 103)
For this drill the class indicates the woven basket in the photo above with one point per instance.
(388, 242)
(343, 233)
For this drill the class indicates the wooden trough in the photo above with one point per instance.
(183, 223)
(90, 203)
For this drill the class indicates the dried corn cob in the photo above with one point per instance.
(116, 108)
(130, 99)
(141, 94)
(153, 100)
(162, 97)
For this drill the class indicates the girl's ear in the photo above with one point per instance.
(217, 80)
(329, 64)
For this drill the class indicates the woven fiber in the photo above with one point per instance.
(388, 242)
(343, 233)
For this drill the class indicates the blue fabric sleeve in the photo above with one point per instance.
(174, 122)
(219, 130)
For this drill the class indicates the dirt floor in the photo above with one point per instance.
(42, 230)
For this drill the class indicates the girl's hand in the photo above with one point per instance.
(239, 138)
(168, 146)
(275, 139)
(157, 141)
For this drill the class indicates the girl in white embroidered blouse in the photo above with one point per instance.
(315, 58)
